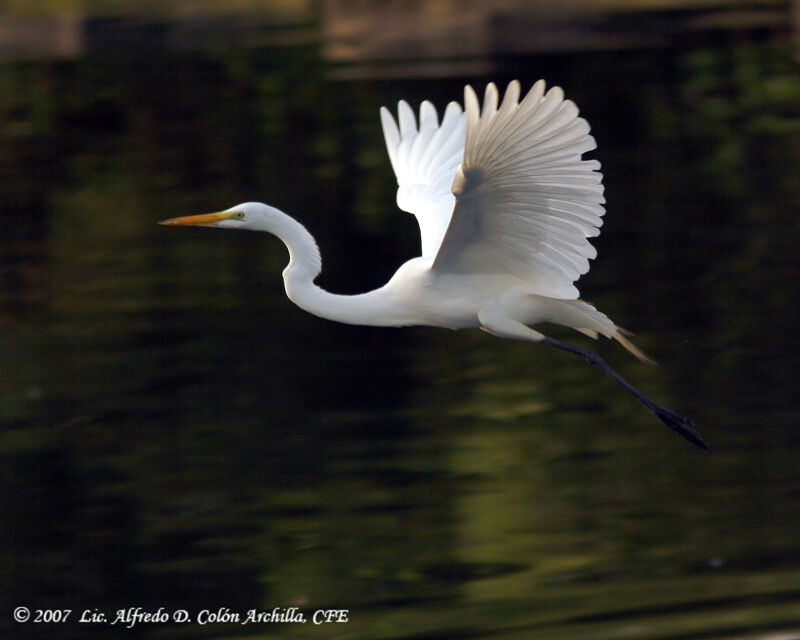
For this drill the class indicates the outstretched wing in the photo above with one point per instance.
(424, 161)
(525, 200)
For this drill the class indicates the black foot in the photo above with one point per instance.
(682, 425)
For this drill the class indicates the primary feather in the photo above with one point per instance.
(424, 161)
(526, 202)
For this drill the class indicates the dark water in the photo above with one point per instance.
(176, 434)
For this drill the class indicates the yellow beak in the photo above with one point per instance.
(206, 218)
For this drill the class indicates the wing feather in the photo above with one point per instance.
(525, 200)
(424, 160)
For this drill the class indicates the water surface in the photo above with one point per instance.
(176, 434)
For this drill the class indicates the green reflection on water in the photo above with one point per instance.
(177, 434)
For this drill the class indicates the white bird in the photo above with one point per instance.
(505, 205)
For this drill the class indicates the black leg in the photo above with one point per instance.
(676, 422)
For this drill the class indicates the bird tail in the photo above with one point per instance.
(583, 317)
(641, 355)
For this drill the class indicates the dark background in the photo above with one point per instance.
(175, 433)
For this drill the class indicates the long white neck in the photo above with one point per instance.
(376, 308)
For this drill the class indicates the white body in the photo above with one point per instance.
(419, 295)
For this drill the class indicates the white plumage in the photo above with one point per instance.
(506, 205)
(525, 201)
(424, 161)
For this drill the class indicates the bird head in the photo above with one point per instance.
(248, 215)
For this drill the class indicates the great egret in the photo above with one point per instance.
(505, 204)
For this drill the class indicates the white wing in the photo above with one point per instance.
(424, 161)
(525, 201)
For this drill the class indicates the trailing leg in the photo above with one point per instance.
(495, 322)
(675, 421)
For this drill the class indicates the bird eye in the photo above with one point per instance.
(239, 215)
